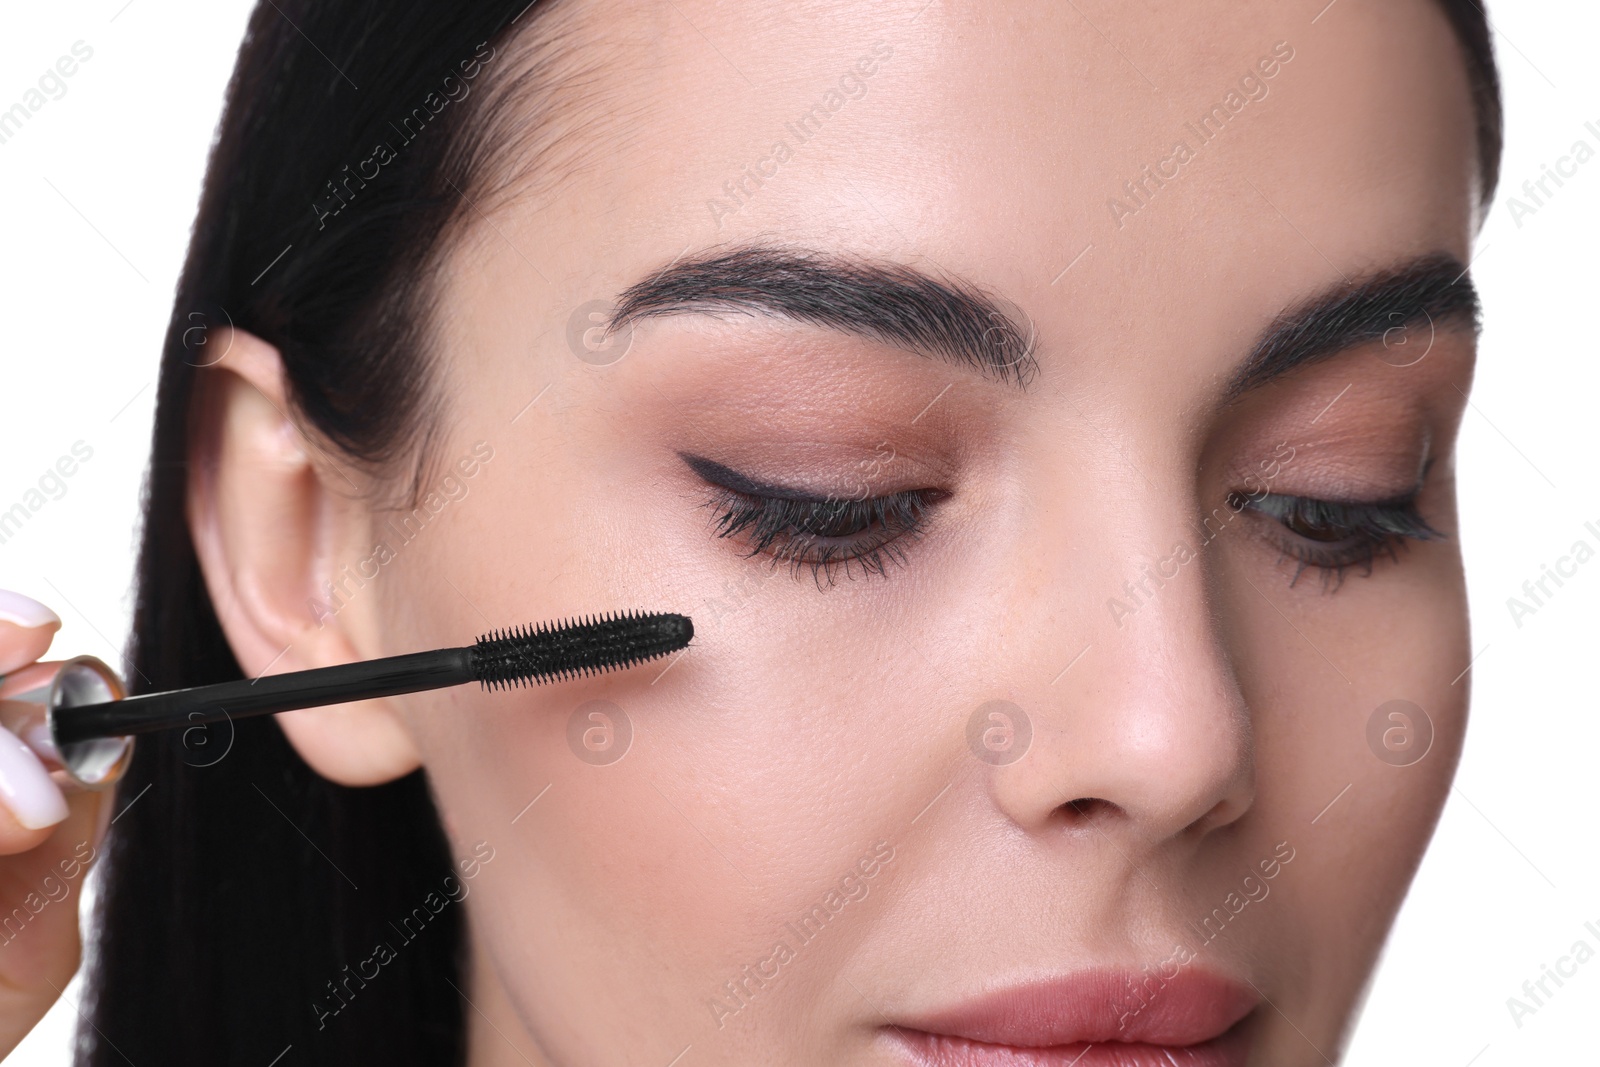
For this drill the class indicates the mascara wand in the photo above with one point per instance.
(90, 726)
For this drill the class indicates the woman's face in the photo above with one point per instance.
(1066, 717)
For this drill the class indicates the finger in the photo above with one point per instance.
(39, 943)
(26, 629)
(32, 803)
(35, 675)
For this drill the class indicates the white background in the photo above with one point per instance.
(99, 191)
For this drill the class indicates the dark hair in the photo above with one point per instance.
(241, 892)
(231, 906)
(1471, 23)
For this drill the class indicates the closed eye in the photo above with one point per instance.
(1331, 536)
(831, 534)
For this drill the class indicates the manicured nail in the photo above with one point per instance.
(25, 612)
(25, 786)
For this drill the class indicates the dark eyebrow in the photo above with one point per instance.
(1433, 289)
(947, 319)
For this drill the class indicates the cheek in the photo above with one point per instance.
(753, 777)
(1358, 732)
(604, 866)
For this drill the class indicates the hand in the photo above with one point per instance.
(47, 840)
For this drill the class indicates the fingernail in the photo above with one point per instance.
(25, 612)
(25, 786)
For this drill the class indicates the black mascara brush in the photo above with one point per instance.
(83, 712)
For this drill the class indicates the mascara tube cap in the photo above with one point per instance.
(94, 764)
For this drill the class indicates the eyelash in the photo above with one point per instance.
(1361, 529)
(797, 529)
(834, 534)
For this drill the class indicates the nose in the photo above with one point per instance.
(1142, 732)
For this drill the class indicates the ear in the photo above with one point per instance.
(272, 512)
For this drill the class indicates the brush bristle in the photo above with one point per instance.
(557, 651)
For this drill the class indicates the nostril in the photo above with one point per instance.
(1086, 810)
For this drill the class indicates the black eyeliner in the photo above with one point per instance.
(730, 479)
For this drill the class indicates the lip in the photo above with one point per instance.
(1103, 1018)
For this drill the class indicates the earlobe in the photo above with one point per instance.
(271, 513)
